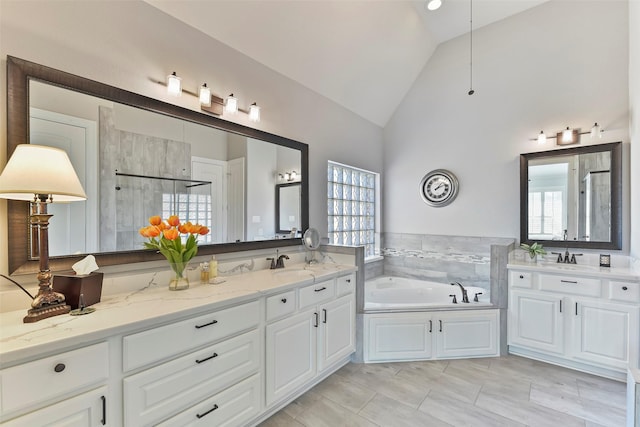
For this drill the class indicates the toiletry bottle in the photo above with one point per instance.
(213, 267)
(204, 272)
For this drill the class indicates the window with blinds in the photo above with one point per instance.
(352, 197)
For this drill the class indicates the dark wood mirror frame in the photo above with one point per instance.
(20, 72)
(615, 149)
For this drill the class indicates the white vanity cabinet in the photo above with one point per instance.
(319, 335)
(431, 335)
(60, 381)
(589, 323)
(175, 385)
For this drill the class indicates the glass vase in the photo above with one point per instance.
(179, 277)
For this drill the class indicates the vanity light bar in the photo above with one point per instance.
(208, 102)
(569, 136)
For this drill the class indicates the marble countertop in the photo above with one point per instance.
(147, 305)
(622, 272)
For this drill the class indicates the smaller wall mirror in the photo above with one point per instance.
(572, 197)
(288, 198)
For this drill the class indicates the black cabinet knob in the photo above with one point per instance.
(624, 288)
(59, 367)
(521, 276)
(284, 300)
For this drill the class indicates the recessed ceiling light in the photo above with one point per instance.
(434, 4)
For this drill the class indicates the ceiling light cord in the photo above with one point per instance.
(471, 91)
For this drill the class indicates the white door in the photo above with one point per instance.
(604, 333)
(337, 331)
(74, 226)
(215, 171)
(291, 354)
(467, 334)
(406, 338)
(536, 321)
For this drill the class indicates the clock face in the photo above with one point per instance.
(439, 187)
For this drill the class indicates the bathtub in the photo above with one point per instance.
(398, 293)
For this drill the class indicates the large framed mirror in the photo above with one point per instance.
(136, 157)
(572, 197)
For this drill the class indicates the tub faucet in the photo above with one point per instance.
(465, 297)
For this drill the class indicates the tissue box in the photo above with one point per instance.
(71, 286)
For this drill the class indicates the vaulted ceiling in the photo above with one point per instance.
(362, 54)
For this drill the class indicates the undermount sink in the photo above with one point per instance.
(571, 266)
(292, 272)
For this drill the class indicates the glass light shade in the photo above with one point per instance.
(254, 112)
(231, 106)
(542, 138)
(595, 131)
(37, 169)
(293, 175)
(434, 4)
(567, 135)
(205, 95)
(287, 176)
(174, 84)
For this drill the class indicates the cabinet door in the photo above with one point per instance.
(466, 334)
(88, 409)
(337, 332)
(605, 333)
(291, 353)
(405, 338)
(536, 321)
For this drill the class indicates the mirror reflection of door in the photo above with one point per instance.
(288, 199)
(73, 227)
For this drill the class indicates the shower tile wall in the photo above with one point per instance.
(123, 211)
(446, 259)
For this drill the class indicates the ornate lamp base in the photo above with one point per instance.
(35, 314)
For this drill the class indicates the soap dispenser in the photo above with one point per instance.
(213, 268)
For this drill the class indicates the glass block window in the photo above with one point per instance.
(195, 208)
(352, 207)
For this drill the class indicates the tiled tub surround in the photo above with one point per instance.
(439, 332)
(123, 345)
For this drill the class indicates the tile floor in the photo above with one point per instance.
(491, 392)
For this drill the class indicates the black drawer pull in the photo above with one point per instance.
(440, 325)
(103, 421)
(208, 412)
(207, 358)
(213, 322)
(560, 306)
(569, 281)
(284, 300)
(576, 309)
(324, 315)
(315, 325)
(624, 288)
(430, 326)
(320, 290)
(59, 367)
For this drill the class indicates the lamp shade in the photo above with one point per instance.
(37, 169)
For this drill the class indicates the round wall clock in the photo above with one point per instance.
(439, 187)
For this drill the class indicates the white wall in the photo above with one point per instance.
(634, 123)
(129, 43)
(559, 64)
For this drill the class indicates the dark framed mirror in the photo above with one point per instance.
(34, 90)
(572, 197)
(288, 198)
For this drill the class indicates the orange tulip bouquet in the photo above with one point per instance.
(166, 237)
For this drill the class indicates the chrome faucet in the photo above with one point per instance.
(465, 297)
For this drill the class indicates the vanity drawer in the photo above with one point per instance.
(571, 285)
(281, 305)
(163, 342)
(235, 406)
(624, 291)
(521, 279)
(36, 382)
(317, 293)
(156, 393)
(345, 284)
